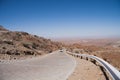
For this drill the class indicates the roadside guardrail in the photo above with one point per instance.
(112, 71)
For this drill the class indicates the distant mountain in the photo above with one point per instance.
(18, 44)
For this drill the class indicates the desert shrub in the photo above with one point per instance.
(8, 52)
(36, 36)
(76, 51)
(17, 53)
(18, 34)
(3, 47)
(9, 42)
(27, 45)
(29, 53)
(34, 45)
(25, 33)
(50, 51)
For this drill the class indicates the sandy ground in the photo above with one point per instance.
(86, 70)
(56, 66)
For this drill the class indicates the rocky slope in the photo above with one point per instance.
(2, 28)
(14, 44)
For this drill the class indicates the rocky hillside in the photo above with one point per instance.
(2, 28)
(20, 44)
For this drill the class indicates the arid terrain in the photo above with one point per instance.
(27, 49)
(107, 49)
(59, 39)
(86, 70)
(19, 45)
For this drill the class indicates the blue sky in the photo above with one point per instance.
(62, 18)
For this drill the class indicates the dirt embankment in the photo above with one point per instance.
(86, 70)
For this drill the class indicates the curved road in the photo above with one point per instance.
(55, 66)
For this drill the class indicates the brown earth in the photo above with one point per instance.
(86, 70)
(107, 49)
(2, 28)
(14, 44)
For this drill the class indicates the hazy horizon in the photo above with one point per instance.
(62, 18)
